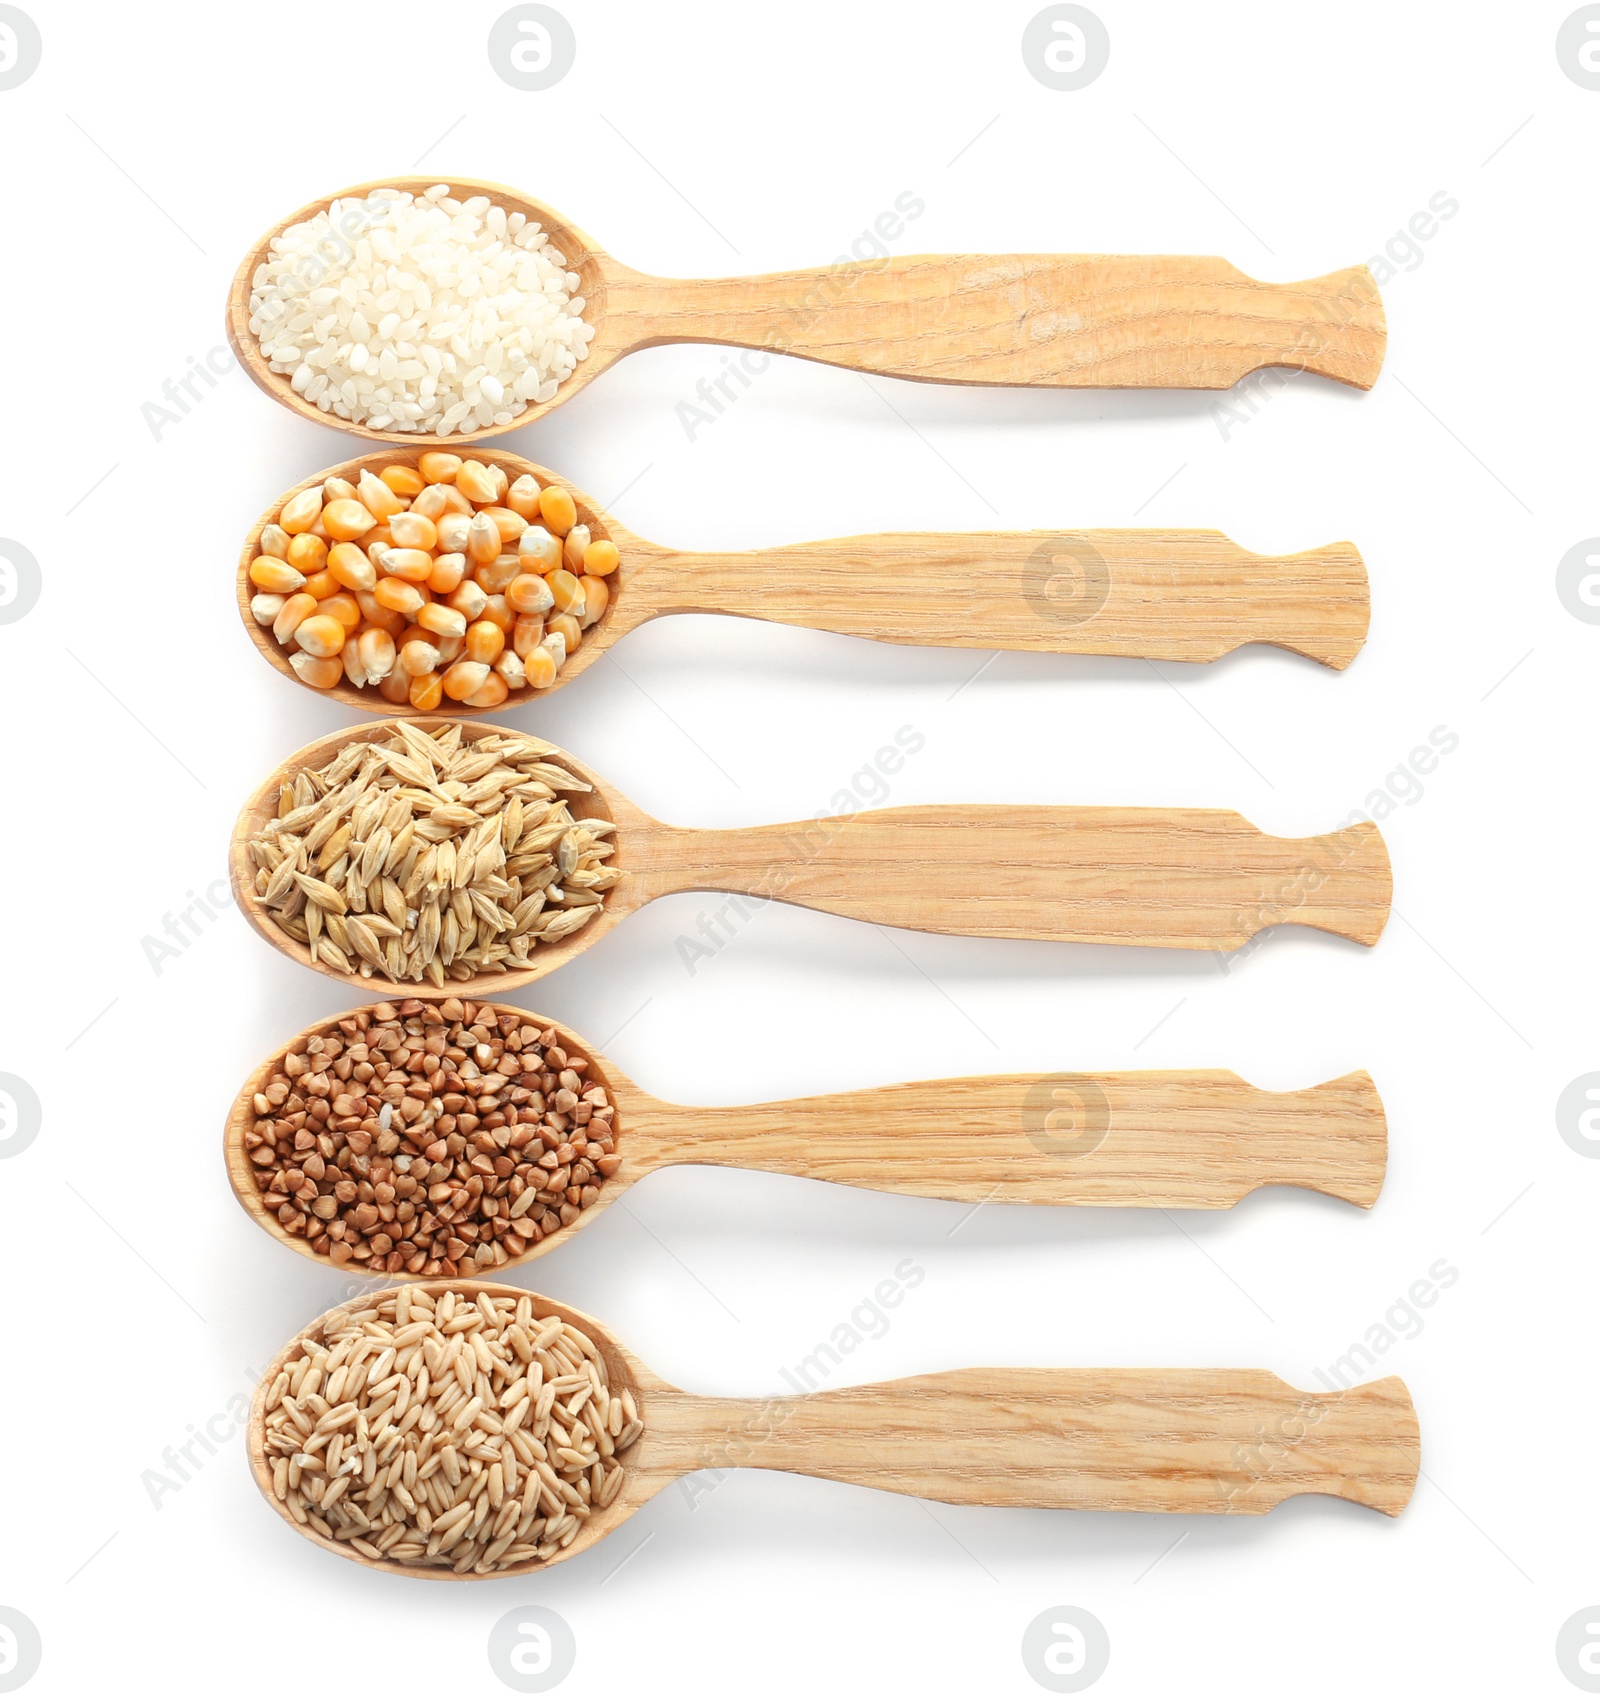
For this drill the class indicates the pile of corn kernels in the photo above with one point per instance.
(439, 579)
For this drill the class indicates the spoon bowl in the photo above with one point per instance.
(582, 254)
(1171, 1140)
(1053, 320)
(1181, 878)
(1207, 1441)
(623, 1370)
(613, 623)
(597, 803)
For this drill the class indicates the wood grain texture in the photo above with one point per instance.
(1099, 321)
(1156, 595)
(1198, 1441)
(1195, 1441)
(1054, 320)
(1178, 878)
(1174, 1140)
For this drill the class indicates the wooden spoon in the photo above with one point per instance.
(1179, 1140)
(1178, 878)
(1208, 1441)
(1146, 321)
(1157, 595)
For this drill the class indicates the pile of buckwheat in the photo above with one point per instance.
(430, 1138)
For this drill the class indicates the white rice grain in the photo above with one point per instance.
(420, 314)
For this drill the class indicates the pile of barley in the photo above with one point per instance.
(419, 312)
(424, 856)
(467, 1434)
(430, 1138)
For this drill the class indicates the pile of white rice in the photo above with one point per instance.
(419, 312)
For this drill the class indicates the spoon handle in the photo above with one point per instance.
(1178, 878)
(1157, 595)
(1206, 1441)
(1199, 1140)
(1054, 320)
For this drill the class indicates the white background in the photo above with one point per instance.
(154, 144)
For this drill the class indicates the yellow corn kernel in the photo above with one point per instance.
(489, 694)
(452, 530)
(526, 635)
(439, 468)
(322, 585)
(377, 497)
(380, 534)
(510, 525)
(416, 657)
(307, 553)
(557, 509)
(400, 597)
(566, 592)
(294, 610)
(264, 609)
(479, 482)
(433, 502)
(413, 530)
(596, 598)
(483, 539)
(347, 520)
(539, 667)
(499, 612)
(395, 687)
(321, 635)
(377, 652)
(454, 500)
(448, 571)
(449, 649)
(276, 577)
(319, 671)
(343, 608)
(565, 625)
(442, 620)
(529, 593)
(375, 613)
(498, 573)
(301, 511)
(469, 599)
(538, 550)
(275, 541)
(406, 481)
(350, 568)
(485, 640)
(464, 678)
(557, 646)
(412, 564)
(523, 497)
(572, 548)
(350, 659)
(425, 692)
(318, 529)
(508, 663)
(337, 489)
(601, 559)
